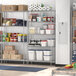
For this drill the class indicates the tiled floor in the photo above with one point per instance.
(46, 72)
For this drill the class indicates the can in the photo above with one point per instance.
(44, 19)
(9, 34)
(14, 34)
(15, 39)
(24, 38)
(4, 39)
(11, 39)
(7, 39)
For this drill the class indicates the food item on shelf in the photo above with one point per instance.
(7, 39)
(42, 31)
(6, 56)
(17, 57)
(43, 43)
(32, 30)
(45, 26)
(48, 19)
(44, 19)
(8, 23)
(24, 38)
(9, 47)
(10, 53)
(30, 17)
(38, 19)
(20, 22)
(22, 7)
(51, 42)
(20, 37)
(48, 31)
(15, 39)
(51, 26)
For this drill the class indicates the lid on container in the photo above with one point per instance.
(20, 34)
(43, 40)
(24, 34)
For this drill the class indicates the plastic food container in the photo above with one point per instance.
(44, 19)
(48, 19)
(51, 26)
(38, 19)
(52, 31)
(48, 31)
(44, 43)
(42, 31)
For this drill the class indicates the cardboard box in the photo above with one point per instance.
(22, 7)
(7, 47)
(6, 56)
(10, 52)
(9, 7)
(74, 13)
(6, 51)
(13, 52)
(16, 57)
(74, 21)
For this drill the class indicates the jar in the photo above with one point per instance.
(38, 19)
(48, 19)
(19, 37)
(44, 19)
(24, 38)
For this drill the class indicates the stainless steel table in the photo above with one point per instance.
(63, 71)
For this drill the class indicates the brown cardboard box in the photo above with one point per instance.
(9, 7)
(6, 56)
(22, 7)
(74, 13)
(10, 52)
(7, 47)
(6, 51)
(13, 52)
(74, 21)
(16, 57)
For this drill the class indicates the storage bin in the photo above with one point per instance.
(44, 43)
(48, 58)
(47, 52)
(9, 7)
(39, 55)
(51, 42)
(31, 55)
(22, 7)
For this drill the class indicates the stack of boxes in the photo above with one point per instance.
(11, 53)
